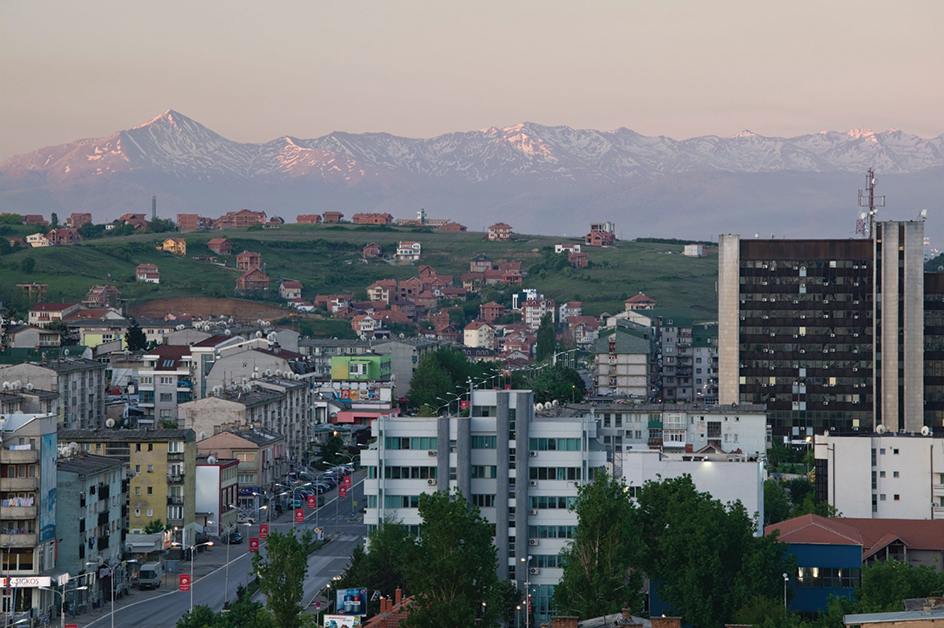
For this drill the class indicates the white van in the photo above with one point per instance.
(151, 575)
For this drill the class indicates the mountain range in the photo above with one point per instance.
(541, 179)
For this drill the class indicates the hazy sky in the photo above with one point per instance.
(253, 71)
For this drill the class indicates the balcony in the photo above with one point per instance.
(19, 484)
(20, 456)
(19, 512)
(184, 384)
(175, 478)
(18, 540)
(175, 500)
(175, 457)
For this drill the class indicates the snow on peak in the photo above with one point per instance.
(745, 133)
(863, 133)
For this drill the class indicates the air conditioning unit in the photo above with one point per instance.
(431, 481)
(532, 512)
(532, 542)
(533, 483)
(534, 571)
(431, 453)
(533, 454)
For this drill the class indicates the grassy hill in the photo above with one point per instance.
(327, 259)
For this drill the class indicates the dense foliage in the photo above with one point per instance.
(281, 575)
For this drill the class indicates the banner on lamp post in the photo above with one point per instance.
(312, 501)
(254, 544)
(263, 530)
(299, 515)
(342, 492)
(185, 582)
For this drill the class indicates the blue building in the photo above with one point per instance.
(831, 552)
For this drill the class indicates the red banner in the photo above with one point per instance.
(342, 491)
(312, 501)
(254, 544)
(464, 404)
(263, 530)
(185, 582)
(346, 481)
(299, 515)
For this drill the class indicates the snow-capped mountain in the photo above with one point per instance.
(526, 168)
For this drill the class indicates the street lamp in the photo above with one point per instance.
(229, 541)
(785, 579)
(192, 552)
(111, 573)
(527, 591)
(293, 497)
(62, 607)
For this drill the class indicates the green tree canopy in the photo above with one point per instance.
(551, 382)
(443, 374)
(281, 574)
(546, 339)
(731, 568)
(776, 503)
(600, 576)
(455, 569)
(381, 566)
(135, 337)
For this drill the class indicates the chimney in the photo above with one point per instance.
(398, 596)
(666, 622)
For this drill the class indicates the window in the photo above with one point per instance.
(167, 380)
(881, 474)
(150, 512)
(165, 414)
(246, 456)
(894, 452)
(150, 490)
(167, 397)
(484, 472)
(423, 442)
(484, 501)
(150, 468)
(137, 468)
(137, 512)
(827, 578)
(137, 447)
(484, 442)
(894, 474)
(246, 479)
(881, 497)
(897, 498)
(137, 490)
(175, 446)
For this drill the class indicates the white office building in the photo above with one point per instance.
(482, 455)
(903, 474)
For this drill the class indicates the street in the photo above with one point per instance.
(164, 606)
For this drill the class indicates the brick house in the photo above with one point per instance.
(384, 290)
(63, 236)
(32, 220)
(102, 296)
(248, 260)
(639, 302)
(452, 226)
(220, 246)
(409, 289)
(372, 219)
(77, 219)
(491, 311)
(239, 220)
(333, 217)
(371, 250)
(177, 246)
(308, 219)
(138, 221)
(252, 280)
(480, 263)
(499, 232)
(600, 238)
(148, 273)
(193, 222)
(578, 260)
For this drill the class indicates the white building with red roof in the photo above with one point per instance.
(640, 302)
(479, 334)
(42, 314)
(148, 273)
(290, 289)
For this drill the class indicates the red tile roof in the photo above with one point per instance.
(871, 534)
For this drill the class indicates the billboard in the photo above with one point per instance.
(341, 621)
(352, 602)
(47, 487)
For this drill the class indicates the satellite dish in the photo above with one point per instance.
(258, 334)
(555, 403)
(925, 430)
(880, 429)
(110, 423)
(228, 332)
(211, 459)
(73, 447)
(202, 435)
(29, 386)
(65, 352)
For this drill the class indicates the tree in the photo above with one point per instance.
(555, 382)
(809, 506)
(244, 613)
(381, 566)
(776, 504)
(281, 575)
(135, 337)
(28, 265)
(154, 527)
(454, 569)
(599, 564)
(545, 341)
(886, 585)
(731, 568)
(332, 449)
(54, 220)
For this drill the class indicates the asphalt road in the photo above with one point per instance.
(165, 606)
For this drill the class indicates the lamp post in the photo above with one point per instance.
(229, 541)
(111, 574)
(62, 607)
(527, 591)
(192, 549)
(293, 497)
(785, 579)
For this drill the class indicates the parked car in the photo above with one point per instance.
(234, 538)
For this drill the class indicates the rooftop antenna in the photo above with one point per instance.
(868, 199)
(154, 207)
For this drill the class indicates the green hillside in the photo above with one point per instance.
(327, 259)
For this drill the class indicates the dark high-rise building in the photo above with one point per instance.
(829, 334)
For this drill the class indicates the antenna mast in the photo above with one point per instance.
(154, 206)
(866, 223)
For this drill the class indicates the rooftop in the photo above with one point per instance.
(84, 464)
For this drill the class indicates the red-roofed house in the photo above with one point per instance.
(32, 220)
(239, 219)
(409, 251)
(371, 250)
(63, 236)
(408, 289)
(372, 219)
(600, 238)
(148, 273)
(479, 334)
(308, 219)
(220, 246)
(138, 221)
(586, 329)
(452, 226)
(639, 302)
(365, 324)
(248, 260)
(499, 232)
(384, 290)
(77, 219)
(578, 260)
(42, 314)
(333, 217)
(102, 296)
(252, 280)
(290, 289)
(491, 311)
(571, 308)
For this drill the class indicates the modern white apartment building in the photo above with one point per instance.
(903, 474)
(522, 471)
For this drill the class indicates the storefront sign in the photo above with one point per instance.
(26, 582)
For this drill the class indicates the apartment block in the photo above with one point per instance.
(80, 384)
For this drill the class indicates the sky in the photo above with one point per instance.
(254, 71)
